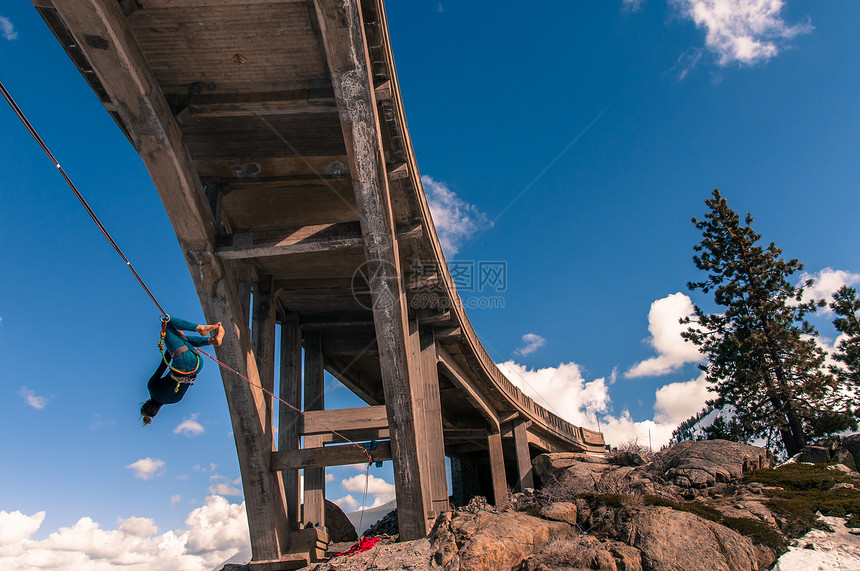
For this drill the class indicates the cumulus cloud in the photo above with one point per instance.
(672, 351)
(214, 532)
(827, 282)
(16, 528)
(581, 402)
(455, 219)
(741, 31)
(347, 503)
(147, 468)
(137, 526)
(7, 29)
(382, 490)
(675, 403)
(189, 426)
(531, 343)
(221, 485)
(572, 397)
(32, 399)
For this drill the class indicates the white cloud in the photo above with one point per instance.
(827, 282)
(742, 31)
(572, 397)
(347, 503)
(329, 478)
(383, 491)
(215, 532)
(221, 485)
(579, 402)
(7, 29)
(15, 528)
(675, 403)
(138, 526)
(531, 343)
(455, 219)
(32, 399)
(147, 468)
(175, 498)
(633, 5)
(189, 426)
(217, 525)
(673, 351)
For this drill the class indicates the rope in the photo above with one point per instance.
(279, 399)
(79, 196)
(364, 496)
(20, 114)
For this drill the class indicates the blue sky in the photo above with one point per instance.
(573, 143)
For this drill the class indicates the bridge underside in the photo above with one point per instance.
(275, 135)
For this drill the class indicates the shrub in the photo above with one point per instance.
(805, 490)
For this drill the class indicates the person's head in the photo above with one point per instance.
(149, 409)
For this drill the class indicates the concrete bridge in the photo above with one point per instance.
(275, 134)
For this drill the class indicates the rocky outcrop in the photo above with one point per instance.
(462, 541)
(678, 512)
(585, 552)
(707, 462)
(488, 542)
(339, 527)
(574, 470)
(671, 540)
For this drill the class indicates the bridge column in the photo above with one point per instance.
(263, 340)
(346, 52)
(497, 469)
(524, 459)
(314, 510)
(290, 391)
(424, 380)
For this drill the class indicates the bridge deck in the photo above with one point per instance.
(276, 136)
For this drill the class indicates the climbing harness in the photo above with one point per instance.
(181, 377)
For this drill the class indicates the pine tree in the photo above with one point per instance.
(762, 355)
(846, 306)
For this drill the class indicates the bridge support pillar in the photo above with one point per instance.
(424, 380)
(524, 460)
(290, 391)
(314, 495)
(497, 469)
(342, 33)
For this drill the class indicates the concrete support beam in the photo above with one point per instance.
(524, 460)
(263, 340)
(288, 418)
(497, 468)
(342, 32)
(314, 511)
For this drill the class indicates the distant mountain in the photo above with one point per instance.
(371, 516)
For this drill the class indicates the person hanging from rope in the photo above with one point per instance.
(175, 346)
